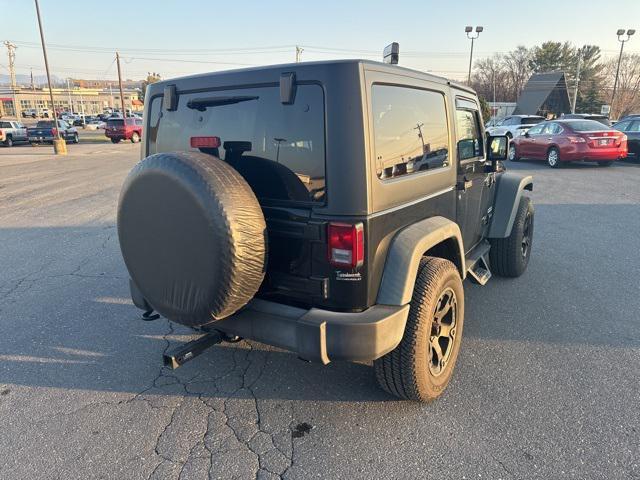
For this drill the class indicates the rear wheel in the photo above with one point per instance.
(553, 157)
(420, 367)
(509, 256)
(605, 164)
(135, 137)
(115, 140)
(8, 142)
(75, 138)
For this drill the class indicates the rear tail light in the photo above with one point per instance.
(346, 244)
(54, 132)
(574, 139)
(205, 142)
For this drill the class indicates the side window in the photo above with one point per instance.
(537, 130)
(5, 125)
(469, 134)
(623, 126)
(410, 130)
(634, 127)
(549, 129)
(506, 122)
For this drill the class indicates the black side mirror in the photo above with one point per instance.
(526, 134)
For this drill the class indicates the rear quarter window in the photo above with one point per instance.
(410, 130)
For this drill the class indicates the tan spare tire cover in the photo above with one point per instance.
(192, 235)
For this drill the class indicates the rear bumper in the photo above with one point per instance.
(588, 154)
(315, 334)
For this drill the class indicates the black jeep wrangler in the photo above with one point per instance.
(332, 209)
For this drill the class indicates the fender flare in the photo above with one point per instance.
(509, 190)
(407, 248)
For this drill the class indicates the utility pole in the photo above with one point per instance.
(575, 91)
(69, 95)
(11, 50)
(59, 145)
(299, 51)
(124, 110)
(622, 41)
(33, 86)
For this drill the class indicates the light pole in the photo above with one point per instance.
(59, 145)
(622, 40)
(468, 30)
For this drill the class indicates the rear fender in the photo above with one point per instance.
(408, 247)
(509, 190)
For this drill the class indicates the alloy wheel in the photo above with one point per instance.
(443, 332)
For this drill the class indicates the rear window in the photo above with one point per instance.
(279, 149)
(115, 122)
(531, 120)
(44, 124)
(587, 126)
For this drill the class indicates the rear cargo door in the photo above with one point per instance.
(279, 149)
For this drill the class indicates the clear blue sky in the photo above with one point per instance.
(180, 37)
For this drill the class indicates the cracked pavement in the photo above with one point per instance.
(546, 385)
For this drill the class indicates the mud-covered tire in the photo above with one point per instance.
(192, 235)
(509, 257)
(407, 371)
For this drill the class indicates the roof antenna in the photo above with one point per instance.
(391, 53)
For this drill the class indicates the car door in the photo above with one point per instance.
(530, 142)
(633, 138)
(475, 186)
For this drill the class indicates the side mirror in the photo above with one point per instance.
(497, 147)
(526, 134)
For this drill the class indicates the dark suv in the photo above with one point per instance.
(332, 209)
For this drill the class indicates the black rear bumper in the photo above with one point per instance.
(315, 334)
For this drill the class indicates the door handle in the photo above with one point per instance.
(549, 138)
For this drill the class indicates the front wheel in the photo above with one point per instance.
(135, 137)
(115, 140)
(75, 139)
(513, 154)
(420, 367)
(8, 142)
(553, 158)
(509, 256)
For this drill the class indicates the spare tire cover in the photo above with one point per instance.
(192, 235)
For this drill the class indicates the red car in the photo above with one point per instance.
(561, 141)
(129, 128)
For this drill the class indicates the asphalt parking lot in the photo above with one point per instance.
(547, 384)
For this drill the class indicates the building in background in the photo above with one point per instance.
(88, 101)
(545, 94)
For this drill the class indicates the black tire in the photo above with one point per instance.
(115, 140)
(553, 157)
(513, 153)
(510, 256)
(8, 141)
(75, 138)
(193, 236)
(605, 164)
(409, 371)
(135, 138)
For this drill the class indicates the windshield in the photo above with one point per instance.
(587, 126)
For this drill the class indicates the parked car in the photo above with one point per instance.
(630, 116)
(129, 128)
(631, 128)
(12, 132)
(586, 116)
(560, 141)
(29, 112)
(514, 125)
(95, 125)
(45, 131)
(244, 165)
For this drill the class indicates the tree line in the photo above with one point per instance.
(504, 75)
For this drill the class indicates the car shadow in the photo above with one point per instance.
(68, 323)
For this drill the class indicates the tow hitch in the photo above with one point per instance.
(183, 353)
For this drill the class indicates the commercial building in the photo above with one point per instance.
(89, 101)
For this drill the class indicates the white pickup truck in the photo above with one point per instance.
(12, 132)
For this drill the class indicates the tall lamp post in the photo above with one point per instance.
(59, 145)
(621, 33)
(468, 30)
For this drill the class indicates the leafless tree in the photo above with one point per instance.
(627, 98)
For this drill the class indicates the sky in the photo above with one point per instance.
(176, 38)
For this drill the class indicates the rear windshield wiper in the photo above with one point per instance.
(201, 104)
